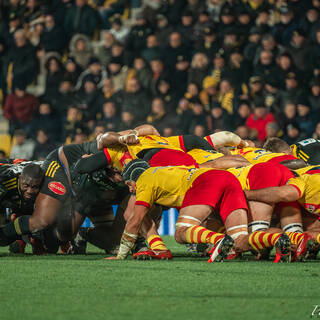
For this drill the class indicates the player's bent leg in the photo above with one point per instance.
(291, 224)
(188, 230)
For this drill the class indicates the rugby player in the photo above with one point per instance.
(19, 185)
(196, 192)
(307, 150)
(63, 198)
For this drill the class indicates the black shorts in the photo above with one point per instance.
(56, 183)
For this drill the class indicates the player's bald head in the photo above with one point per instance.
(33, 171)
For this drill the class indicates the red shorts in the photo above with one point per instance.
(218, 189)
(170, 157)
(282, 158)
(268, 174)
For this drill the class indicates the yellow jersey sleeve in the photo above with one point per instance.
(299, 183)
(202, 156)
(256, 155)
(149, 142)
(117, 157)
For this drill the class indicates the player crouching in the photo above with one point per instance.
(196, 192)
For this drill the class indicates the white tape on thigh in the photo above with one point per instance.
(293, 227)
(237, 234)
(182, 224)
(190, 218)
(237, 227)
(258, 225)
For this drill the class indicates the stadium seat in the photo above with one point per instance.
(6, 143)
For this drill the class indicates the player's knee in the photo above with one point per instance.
(37, 223)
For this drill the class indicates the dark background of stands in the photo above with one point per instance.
(70, 70)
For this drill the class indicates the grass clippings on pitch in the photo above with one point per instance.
(88, 287)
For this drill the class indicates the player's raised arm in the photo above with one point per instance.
(274, 194)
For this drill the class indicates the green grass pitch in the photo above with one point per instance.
(88, 287)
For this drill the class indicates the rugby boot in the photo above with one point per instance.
(191, 248)
(153, 254)
(140, 245)
(66, 248)
(17, 247)
(79, 244)
(221, 250)
(304, 248)
(283, 249)
(37, 246)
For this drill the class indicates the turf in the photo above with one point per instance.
(88, 287)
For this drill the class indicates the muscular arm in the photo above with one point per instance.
(131, 231)
(294, 164)
(273, 194)
(143, 130)
(92, 163)
(194, 142)
(226, 162)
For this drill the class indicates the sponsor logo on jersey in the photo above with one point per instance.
(57, 188)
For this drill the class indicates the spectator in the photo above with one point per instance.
(94, 72)
(209, 94)
(186, 27)
(218, 69)
(109, 8)
(110, 116)
(138, 35)
(20, 108)
(226, 96)
(199, 130)
(250, 49)
(198, 115)
(153, 51)
(292, 89)
(46, 119)
(136, 101)
(117, 73)
(299, 49)
(70, 124)
(158, 116)
(55, 74)
(243, 112)
(31, 12)
(72, 70)
(159, 73)
(23, 147)
(293, 133)
(219, 119)
(198, 69)
(284, 29)
(314, 96)
(23, 59)
(289, 114)
(80, 50)
(163, 29)
(266, 66)
(305, 117)
(286, 66)
(53, 37)
(243, 132)
(80, 18)
(43, 145)
(81, 135)
(168, 95)
(259, 119)
(273, 130)
(180, 74)
(192, 92)
(127, 121)
(119, 31)
(314, 55)
(209, 43)
(142, 72)
(103, 51)
(175, 49)
(316, 133)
